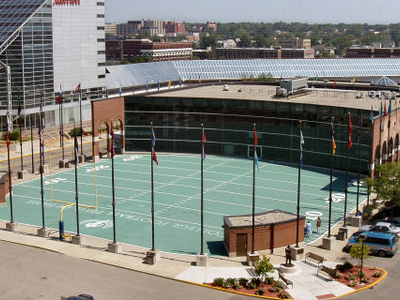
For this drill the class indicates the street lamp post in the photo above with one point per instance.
(363, 237)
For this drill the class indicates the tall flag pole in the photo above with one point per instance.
(33, 158)
(20, 131)
(9, 125)
(359, 159)
(203, 157)
(76, 181)
(349, 145)
(331, 173)
(388, 140)
(301, 143)
(41, 149)
(59, 100)
(113, 185)
(153, 158)
(380, 135)
(78, 89)
(254, 189)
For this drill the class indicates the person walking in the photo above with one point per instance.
(319, 225)
(308, 229)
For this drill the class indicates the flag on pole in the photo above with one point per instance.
(153, 138)
(384, 111)
(153, 143)
(112, 143)
(381, 115)
(301, 148)
(203, 141)
(333, 140)
(389, 112)
(169, 83)
(19, 105)
(133, 89)
(350, 143)
(255, 150)
(371, 116)
(334, 84)
(120, 91)
(76, 147)
(199, 79)
(158, 86)
(8, 128)
(147, 86)
(8, 139)
(78, 88)
(180, 81)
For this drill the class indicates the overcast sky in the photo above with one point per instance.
(267, 11)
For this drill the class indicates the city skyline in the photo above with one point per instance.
(224, 11)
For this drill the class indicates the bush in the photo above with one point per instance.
(277, 284)
(79, 132)
(219, 281)
(243, 281)
(236, 286)
(14, 136)
(377, 274)
(344, 267)
(366, 280)
(260, 291)
(339, 276)
(251, 285)
(283, 295)
(257, 281)
(352, 284)
(351, 277)
(269, 280)
(275, 289)
(230, 281)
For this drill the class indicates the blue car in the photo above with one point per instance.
(380, 243)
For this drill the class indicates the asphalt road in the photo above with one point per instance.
(30, 273)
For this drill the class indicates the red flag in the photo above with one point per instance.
(112, 144)
(78, 88)
(199, 80)
(384, 111)
(59, 99)
(255, 138)
(8, 139)
(350, 143)
(154, 156)
(334, 84)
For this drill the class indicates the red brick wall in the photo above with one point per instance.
(107, 111)
(283, 234)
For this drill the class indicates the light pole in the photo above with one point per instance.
(362, 238)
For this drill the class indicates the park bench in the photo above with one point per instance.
(285, 280)
(315, 257)
(326, 271)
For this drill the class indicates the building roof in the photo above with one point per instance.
(186, 70)
(261, 219)
(13, 15)
(384, 81)
(325, 97)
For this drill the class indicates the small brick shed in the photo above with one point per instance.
(273, 229)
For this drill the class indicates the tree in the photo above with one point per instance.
(208, 40)
(355, 251)
(262, 267)
(387, 184)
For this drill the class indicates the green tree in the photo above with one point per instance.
(262, 267)
(387, 184)
(355, 251)
(208, 40)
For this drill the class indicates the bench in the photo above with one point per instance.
(285, 280)
(312, 256)
(326, 271)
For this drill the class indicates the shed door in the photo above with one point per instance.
(241, 245)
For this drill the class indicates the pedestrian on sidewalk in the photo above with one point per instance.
(308, 229)
(319, 225)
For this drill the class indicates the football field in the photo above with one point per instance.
(227, 191)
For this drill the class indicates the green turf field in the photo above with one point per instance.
(227, 191)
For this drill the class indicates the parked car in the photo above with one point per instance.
(395, 221)
(381, 227)
(380, 243)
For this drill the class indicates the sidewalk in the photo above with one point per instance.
(306, 285)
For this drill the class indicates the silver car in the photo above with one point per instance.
(381, 227)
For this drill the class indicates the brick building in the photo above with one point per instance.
(262, 53)
(174, 27)
(294, 43)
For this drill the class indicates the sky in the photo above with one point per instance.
(267, 11)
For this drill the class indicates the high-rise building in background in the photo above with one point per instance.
(52, 46)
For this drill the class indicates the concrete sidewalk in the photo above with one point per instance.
(306, 285)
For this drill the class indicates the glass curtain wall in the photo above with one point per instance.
(229, 128)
